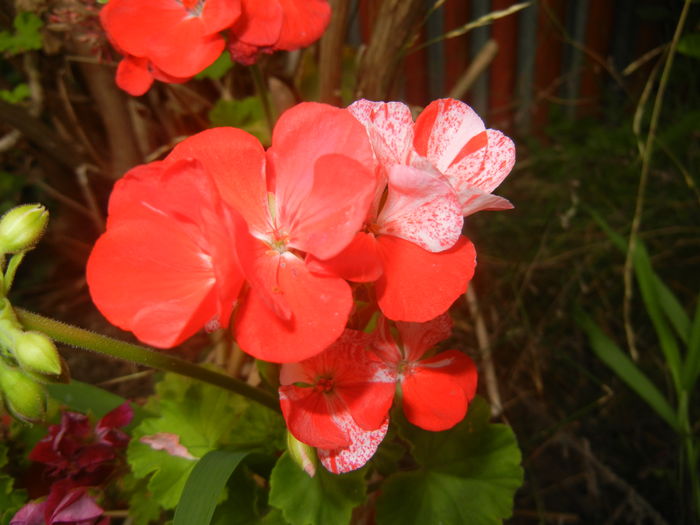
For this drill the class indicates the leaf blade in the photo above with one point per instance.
(204, 485)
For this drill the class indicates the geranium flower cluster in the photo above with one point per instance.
(173, 40)
(350, 213)
(77, 458)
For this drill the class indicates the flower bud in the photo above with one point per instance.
(24, 399)
(302, 454)
(36, 352)
(22, 227)
(63, 377)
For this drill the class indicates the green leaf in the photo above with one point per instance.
(608, 352)
(689, 45)
(247, 114)
(218, 69)
(205, 485)
(85, 398)
(274, 517)
(143, 509)
(244, 503)
(324, 499)
(198, 415)
(15, 95)
(691, 370)
(468, 474)
(11, 499)
(27, 35)
(649, 284)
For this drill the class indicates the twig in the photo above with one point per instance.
(482, 338)
(330, 62)
(482, 60)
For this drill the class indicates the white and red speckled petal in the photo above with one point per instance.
(474, 200)
(421, 207)
(445, 130)
(364, 445)
(389, 126)
(500, 158)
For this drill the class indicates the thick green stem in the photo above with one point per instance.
(74, 336)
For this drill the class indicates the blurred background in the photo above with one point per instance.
(603, 100)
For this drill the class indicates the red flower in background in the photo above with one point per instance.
(436, 390)
(77, 457)
(338, 401)
(170, 40)
(266, 26)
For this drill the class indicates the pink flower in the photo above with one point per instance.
(266, 26)
(169, 40)
(66, 504)
(307, 195)
(435, 390)
(338, 401)
(165, 268)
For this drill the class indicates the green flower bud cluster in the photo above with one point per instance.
(28, 360)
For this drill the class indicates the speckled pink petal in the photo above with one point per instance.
(364, 445)
(168, 442)
(417, 338)
(389, 127)
(474, 200)
(500, 158)
(422, 208)
(443, 130)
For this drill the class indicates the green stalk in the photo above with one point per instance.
(262, 92)
(690, 454)
(80, 338)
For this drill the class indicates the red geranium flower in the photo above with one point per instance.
(77, 451)
(435, 390)
(338, 401)
(166, 266)
(266, 26)
(170, 40)
(307, 195)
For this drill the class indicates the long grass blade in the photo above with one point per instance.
(611, 354)
(205, 485)
(691, 370)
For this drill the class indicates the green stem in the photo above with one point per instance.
(690, 451)
(74, 336)
(262, 92)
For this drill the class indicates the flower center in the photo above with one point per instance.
(324, 384)
(193, 7)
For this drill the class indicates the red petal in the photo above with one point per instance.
(418, 338)
(165, 267)
(364, 445)
(309, 417)
(335, 208)
(421, 207)
(418, 285)
(218, 15)
(302, 135)
(320, 307)
(133, 75)
(358, 262)
(304, 22)
(259, 25)
(236, 161)
(116, 418)
(437, 391)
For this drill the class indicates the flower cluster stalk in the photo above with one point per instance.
(80, 338)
